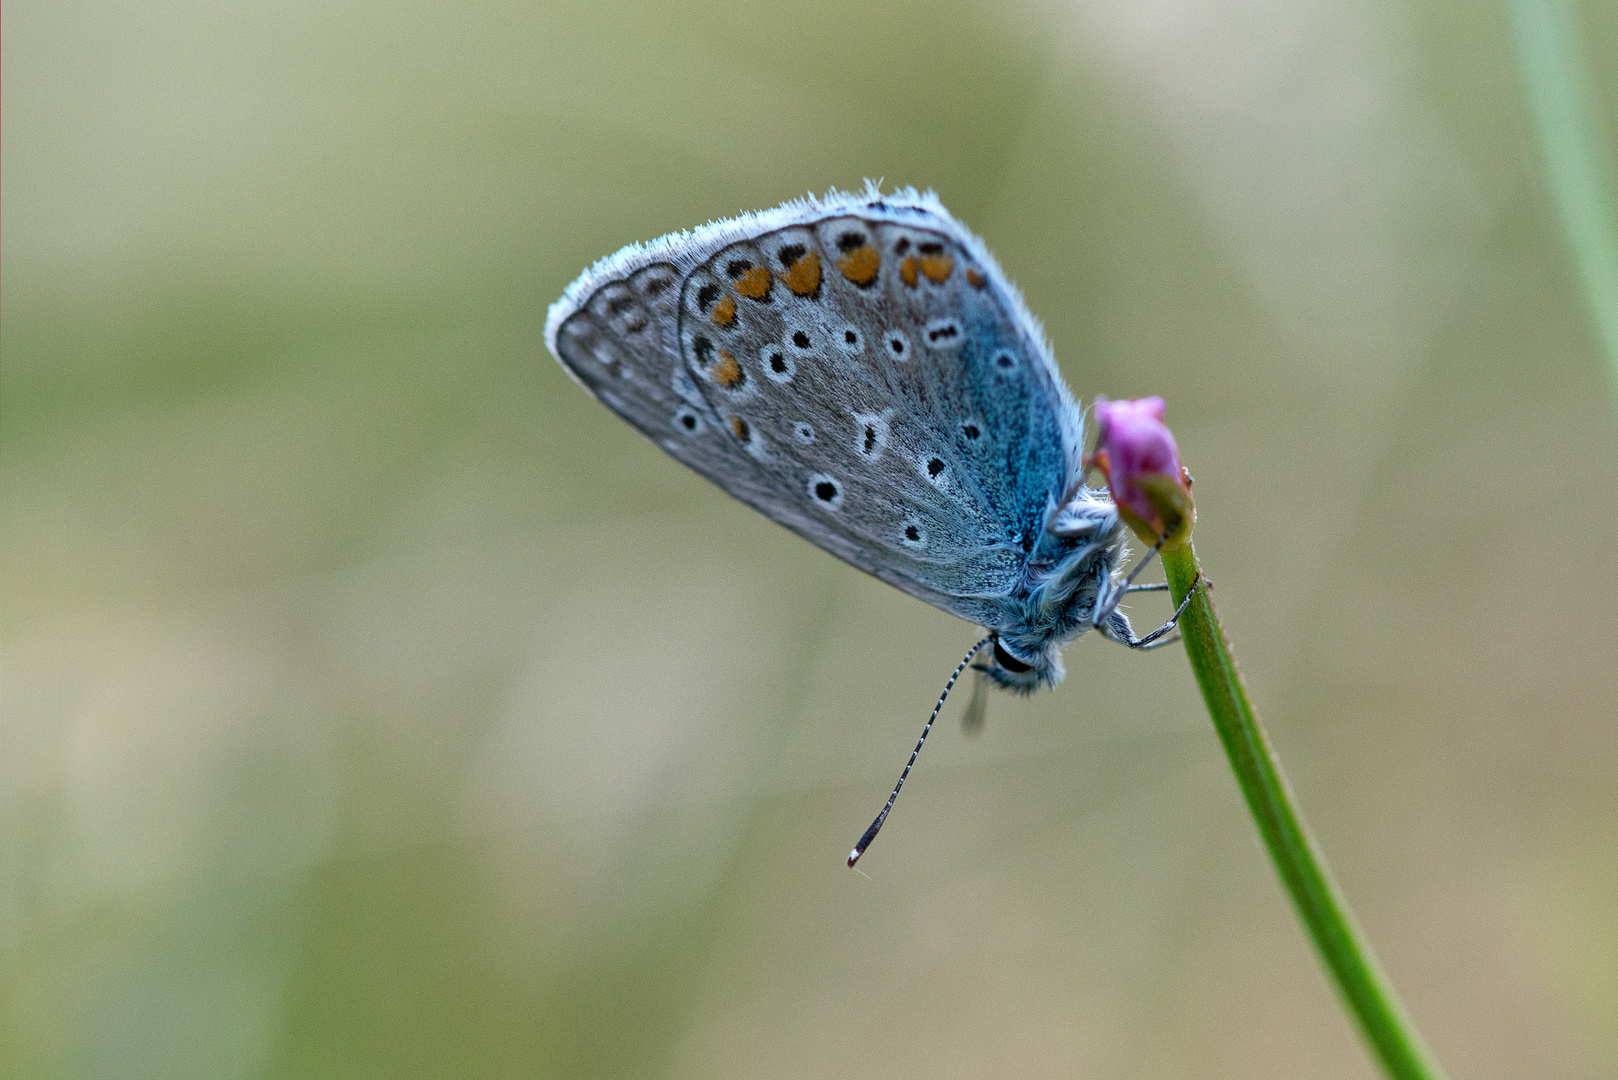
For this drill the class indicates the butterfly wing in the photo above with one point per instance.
(858, 369)
(616, 336)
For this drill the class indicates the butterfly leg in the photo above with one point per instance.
(1159, 586)
(977, 705)
(1107, 602)
(1118, 629)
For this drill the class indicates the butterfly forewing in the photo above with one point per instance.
(861, 374)
(620, 344)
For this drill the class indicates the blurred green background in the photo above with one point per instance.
(378, 705)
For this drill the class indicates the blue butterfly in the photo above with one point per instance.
(858, 368)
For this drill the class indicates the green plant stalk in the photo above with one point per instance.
(1563, 100)
(1364, 988)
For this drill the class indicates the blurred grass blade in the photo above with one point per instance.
(1348, 956)
(1578, 163)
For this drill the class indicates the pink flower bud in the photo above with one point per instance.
(1135, 451)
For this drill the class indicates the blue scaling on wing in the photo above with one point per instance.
(859, 369)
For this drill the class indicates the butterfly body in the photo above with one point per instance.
(858, 368)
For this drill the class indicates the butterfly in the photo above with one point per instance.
(858, 368)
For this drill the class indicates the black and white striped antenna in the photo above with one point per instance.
(876, 826)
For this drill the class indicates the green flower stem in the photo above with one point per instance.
(1564, 103)
(1321, 907)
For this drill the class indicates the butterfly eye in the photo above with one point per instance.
(1010, 663)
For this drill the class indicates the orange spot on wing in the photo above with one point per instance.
(724, 312)
(803, 277)
(975, 279)
(755, 284)
(937, 267)
(740, 428)
(728, 373)
(860, 265)
(907, 271)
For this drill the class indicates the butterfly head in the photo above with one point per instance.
(1016, 667)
